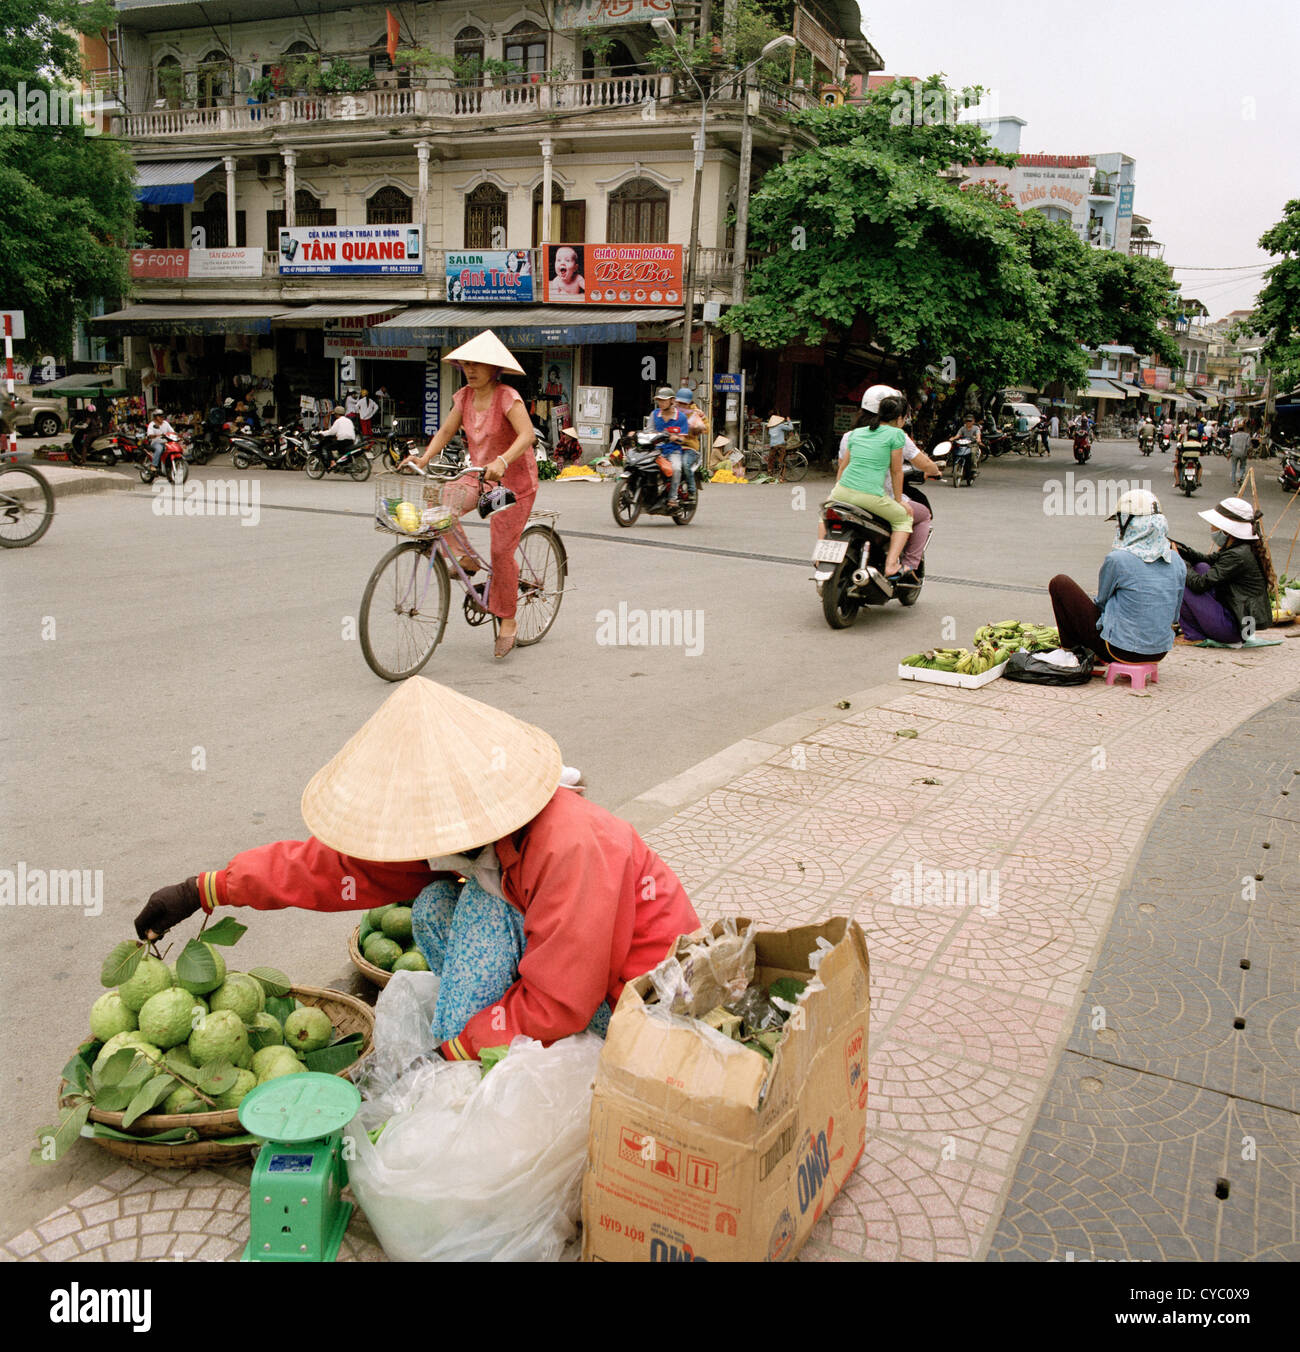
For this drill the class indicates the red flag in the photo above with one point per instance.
(392, 35)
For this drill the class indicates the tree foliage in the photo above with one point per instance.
(871, 228)
(1277, 308)
(66, 198)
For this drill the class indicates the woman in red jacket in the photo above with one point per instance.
(562, 903)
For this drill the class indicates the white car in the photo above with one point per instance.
(1011, 412)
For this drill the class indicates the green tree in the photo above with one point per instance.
(1277, 308)
(67, 202)
(872, 229)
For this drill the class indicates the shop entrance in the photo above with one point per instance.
(623, 367)
(402, 381)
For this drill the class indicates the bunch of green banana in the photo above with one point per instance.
(937, 659)
(1018, 634)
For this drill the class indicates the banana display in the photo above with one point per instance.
(994, 644)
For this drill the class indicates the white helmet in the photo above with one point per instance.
(877, 394)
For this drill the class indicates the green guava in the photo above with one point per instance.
(308, 1029)
(120, 1040)
(411, 961)
(167, 1019)
(109, 1016)
(178, 1059)
(289, 1066)
(219, 1037)
(382, 952)
(203, 987)
(150, 976)
(375, 918)
(269, 1056)
(245, 1082)
(396, 925)
(183, 1099)
(240, 992)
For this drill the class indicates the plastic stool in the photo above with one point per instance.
(1138, 673)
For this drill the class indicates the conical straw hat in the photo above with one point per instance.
(487, 348)
(431, 772)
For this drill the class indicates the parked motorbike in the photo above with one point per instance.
(276, 448)
(1289, 477)
(997, 441)
(964, 461)
(850, 561)
(644, 481)
(173, 466)
(325, 458)
(1189, 471)
(89, 445)
(1082, 447)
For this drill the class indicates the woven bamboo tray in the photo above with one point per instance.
(347, 1014)
(368, 970)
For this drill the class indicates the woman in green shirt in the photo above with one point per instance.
(874, 451)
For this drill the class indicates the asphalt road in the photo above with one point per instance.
(173, 682)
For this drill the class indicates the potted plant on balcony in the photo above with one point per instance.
(263, 88)
(500, 71)
(421, 64)
(171, 83)
(301, 72)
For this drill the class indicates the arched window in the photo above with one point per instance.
(638, 214)
(214, 79)
(467, 51)
(307, 210)
(526, 48)
(568, 219)
(618, 60)
(485, 218)
(213, 220)
(388, 206)
(169, 81)
(383, 66)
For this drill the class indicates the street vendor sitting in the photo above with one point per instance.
(533, 905)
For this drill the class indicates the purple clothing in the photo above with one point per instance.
(922, 520)
(1205, 616)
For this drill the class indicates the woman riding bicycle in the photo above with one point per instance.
(500, 437)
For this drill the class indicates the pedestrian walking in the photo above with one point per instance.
(1056, 426)
(1238, 450)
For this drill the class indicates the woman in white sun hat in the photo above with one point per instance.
(500, 436)
(1227, 595)
(534, 905)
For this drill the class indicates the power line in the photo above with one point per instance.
(1247, 267)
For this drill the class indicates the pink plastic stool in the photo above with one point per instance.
(1138, 673)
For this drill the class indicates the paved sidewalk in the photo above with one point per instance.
(69, 480)
(1048, 795)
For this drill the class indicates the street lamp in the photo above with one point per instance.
(668, 34)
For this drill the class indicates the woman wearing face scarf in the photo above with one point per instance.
(1138, 594)
(1227, 593)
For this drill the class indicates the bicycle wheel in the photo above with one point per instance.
(26, 506)
(543, 567)
(796, 466)
(404, 610)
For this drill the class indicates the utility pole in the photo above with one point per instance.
(741, 242)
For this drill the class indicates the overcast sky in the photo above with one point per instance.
(1205, 96)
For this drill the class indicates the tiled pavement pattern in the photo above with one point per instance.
(1159, 1100)
(1048, 793)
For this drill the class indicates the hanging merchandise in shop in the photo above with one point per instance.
(496, 275)
(614, 274)
(332, 251)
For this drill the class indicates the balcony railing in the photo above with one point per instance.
(616, 92)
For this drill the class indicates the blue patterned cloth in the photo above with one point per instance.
(474, 942)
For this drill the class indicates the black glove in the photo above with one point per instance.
(167, 907)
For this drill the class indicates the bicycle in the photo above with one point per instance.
(26, 505)
(794, 464)
(407, 599)
(387, 447)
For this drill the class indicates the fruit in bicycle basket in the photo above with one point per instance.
(407, 516)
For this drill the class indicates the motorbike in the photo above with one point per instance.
(324, 458)
(1082, 446)
(1189, 471)
(1164, 441)
(276, 448)
(849, 563)
(644, 481)
(89, 445)
(964, 465)
(1146, 444)
(1289, 477)
(173, 465)
(998, 441)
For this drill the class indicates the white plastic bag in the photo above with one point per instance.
(486, 1171)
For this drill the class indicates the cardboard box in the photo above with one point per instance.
(702, 1150)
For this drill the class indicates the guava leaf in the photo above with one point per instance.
(226, 931)
(274, 982)
(788, 988)
(55, 1140)
(148, 1098)
(259, 1037)
(217, 1077)
(279, 1007)
(196, 965)
(77, 1071)
(121, 963)
(330, 1060)
(114, 1069)
(173, 1135)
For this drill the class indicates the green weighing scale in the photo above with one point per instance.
(296, 1209)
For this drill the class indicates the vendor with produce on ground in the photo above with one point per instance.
(534, 906)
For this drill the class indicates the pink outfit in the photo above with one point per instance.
(489, 435)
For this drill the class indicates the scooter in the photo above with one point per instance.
(1164, 440)
(324, 459)
(849, 562)
(101, 448)
(1082, 447)
(964, 464)
(997, 441)
(1146, 445)
(1289, 478)
(276, 448)
(1189, 472)
(172, 466)
(644, 481)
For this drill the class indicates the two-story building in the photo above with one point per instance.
(335, 194)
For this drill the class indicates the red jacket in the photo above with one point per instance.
(599, 907)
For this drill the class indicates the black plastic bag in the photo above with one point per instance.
(1030, 668)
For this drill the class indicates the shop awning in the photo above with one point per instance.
(1126, 391)
(1100, 392)
(73, 385)
(139, 321)
(333, 309)
(161, 182)
(1174, 397)
(524, 326)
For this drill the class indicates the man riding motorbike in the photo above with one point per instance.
(1146, 433)
(343, 433)
(159, 432)
(685, 461)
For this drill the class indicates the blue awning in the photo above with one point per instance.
(163, 182)
(521, 326)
